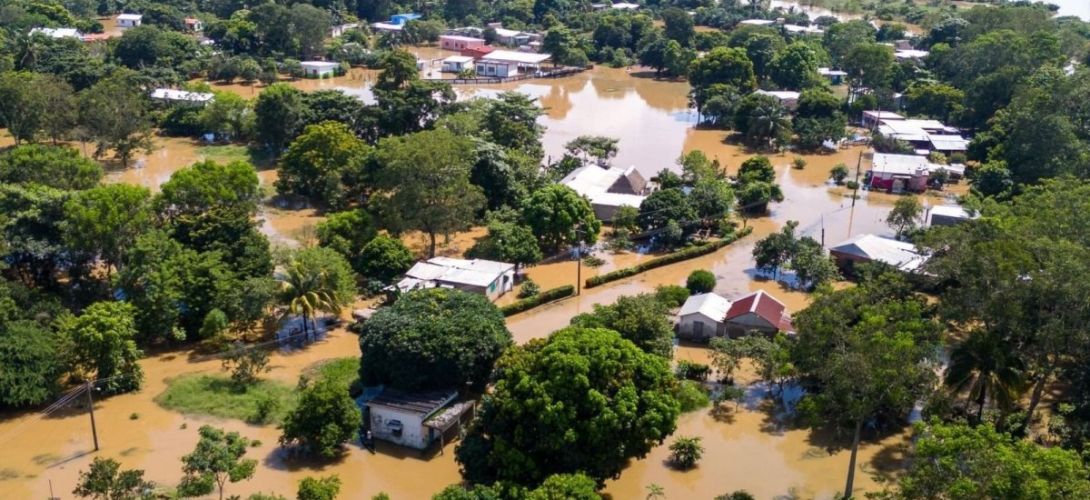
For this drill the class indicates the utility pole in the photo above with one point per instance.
(855, 193)
(91, 408)
(579, 269)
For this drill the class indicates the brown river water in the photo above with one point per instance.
(748, 449)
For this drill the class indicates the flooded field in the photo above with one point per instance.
(745, 450)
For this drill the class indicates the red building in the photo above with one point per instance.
(459, 43)
(477, 52)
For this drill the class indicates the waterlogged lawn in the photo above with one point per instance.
(265, 402)
(224, 153)
(344, 371)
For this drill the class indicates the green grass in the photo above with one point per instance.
(345, 371)
(231, 152)
(217, 396)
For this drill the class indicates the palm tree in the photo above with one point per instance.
(986, 366)
(769, 122)
(306, 292)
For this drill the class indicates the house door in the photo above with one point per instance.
(698, 329)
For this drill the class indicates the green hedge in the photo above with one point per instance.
(665, 260)
(537, 300)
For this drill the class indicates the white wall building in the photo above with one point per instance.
(129, 20)
(457, 64)
(57, 32)
(701, 317)
(402, 418)
(319, 69)
(182, 96)
(486, 277)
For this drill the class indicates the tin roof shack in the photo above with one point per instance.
(57, 32)
(486, 277)
(834, 76)
(608, 189)
(319, 69)
(872, 119)
(900, 173)
(788, 98)
(129, 20)
(415, 419)
(946, 215)
(871, 248)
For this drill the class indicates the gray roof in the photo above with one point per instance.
(420, 403)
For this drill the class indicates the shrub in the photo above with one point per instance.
(529, 289)
(839, 172)
(537, 300)
(689, 370)
(671, 296)
(685, 452)
(665, 260)
(691, 395)
(700, 281)
(853, 185)
(799, 163)
(592, 261)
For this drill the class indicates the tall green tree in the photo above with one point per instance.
(723, 65)
(383, 258)
(323, 420)
(103, 345)
(60, 167)
(507, 242)
(559, 217)
(316, 280)
(321, 164)
(33, 363)
(215, 461)
(433, 339)
(106, 220)
(423, 181)
(105, 480)
(322, 488)
(116, 112)
(585, 400)
(641, 319)
(279, 115)
(984, 365)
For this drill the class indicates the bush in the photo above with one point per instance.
(537, 300)
(529, 289)
(671, 296)
(853, 185)
(689, 370)
(324, 418)
(592, 261)
(665, 260)
(685, 452)
(700, 281)
(799, 163)
(692, 396)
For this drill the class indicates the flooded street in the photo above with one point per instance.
(744, 450)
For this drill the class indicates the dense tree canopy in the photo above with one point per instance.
(585, 400)
(433, 339)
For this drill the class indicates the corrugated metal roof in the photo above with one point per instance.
(711, 305)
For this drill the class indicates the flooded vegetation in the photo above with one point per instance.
(746, 449)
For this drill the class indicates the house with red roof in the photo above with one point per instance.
(710, 315)
(757, 311)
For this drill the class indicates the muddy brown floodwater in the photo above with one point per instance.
(747, 450)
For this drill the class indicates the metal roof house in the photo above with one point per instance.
(508, 63)
(57, 32)
(946, 215)
(710, 315)
(414, 419)
(486, 277)
(871, 248)
(608, 189)
(319, 69)
(788, 98)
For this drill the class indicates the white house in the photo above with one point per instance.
(834, 76)
(511, 38)
(415, 420)
(871, 248)
(701, 317)
(57, 32)
(319, 69)
(129, 20)
(910, 54)
(757, 22)
(182, 96)
(946, 215)
(457, 64)
(608, 189)
(486, 277)
(340, 29)
(625, 6)
(877, 117)
(507, 63)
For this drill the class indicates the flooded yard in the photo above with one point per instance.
(746, 449)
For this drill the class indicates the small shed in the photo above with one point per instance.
(833, 76)
(946, 215)
(459, 42)
(701, 317)
(319, 69)
(457, 64)
(899, 173)
(193, 24)
(414, 419)
(129, 20)
(871, 248)
(788, 98)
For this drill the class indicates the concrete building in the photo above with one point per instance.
(340, 29)
(319, 69)
(457, 64)
(459, 43)
(871, 248)
(194, 25)
(833, 76)
(415, 420)
(129, 20)
(507, 63)
(486, 277)
(899, 173)
(608, 189)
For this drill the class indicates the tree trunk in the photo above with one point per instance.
(431, 244)
(980, 406)
(851, 463)
(306, 334)
(1038, 391)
